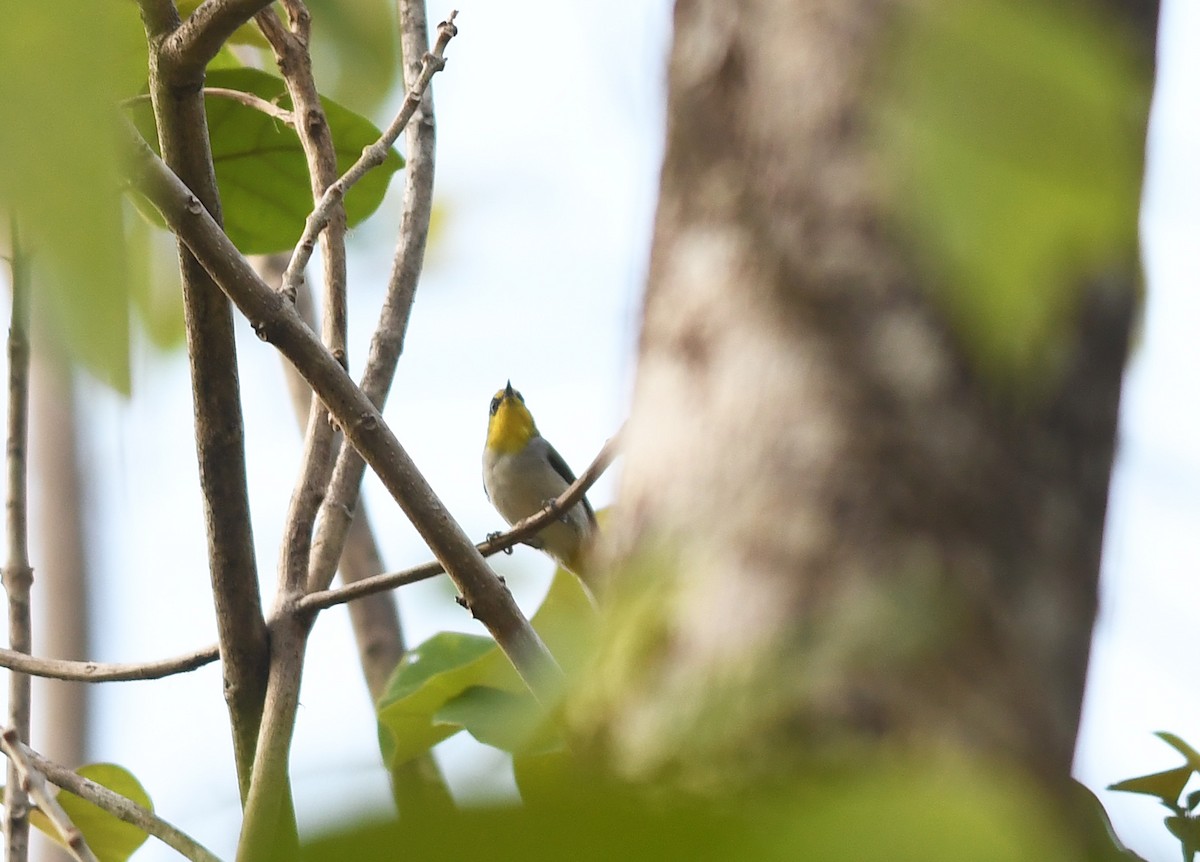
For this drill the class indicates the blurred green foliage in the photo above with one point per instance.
(63, 68)
(1012, 136)
(455, 682)
(61, 180)
(923, 810)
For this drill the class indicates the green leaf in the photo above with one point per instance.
(927, 812)
(1193, 757)
(261, 171)
(112, 840)
(1187, 830)
(427, 698)
(155, 290)
(355, 53)
(510, 721)
(1014, 135)
(1164, 785)
(429, 675)
(62, 72)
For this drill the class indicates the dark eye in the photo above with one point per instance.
(520, 397)
(495, 406)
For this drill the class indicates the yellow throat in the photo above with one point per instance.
(510, 424)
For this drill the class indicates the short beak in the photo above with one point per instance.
(508, 390)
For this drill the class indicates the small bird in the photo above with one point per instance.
(522, 472)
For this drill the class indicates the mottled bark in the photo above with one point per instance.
(835, 532)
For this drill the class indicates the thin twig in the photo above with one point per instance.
(372, 156)
(94, 671)
(522, 530)
(120, 807)
(269, 780)
(387, 343)
(18, 576)
(250, 100)
(34, 783)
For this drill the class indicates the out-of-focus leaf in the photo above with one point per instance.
(926, 812)
(1014, 133)
(355, 53)
(261, 170)
(62, 72)
(510, 721)
(112, 840)
(1102, 843)
(1165, 785)
(154, 284)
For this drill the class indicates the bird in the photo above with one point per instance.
(522, 472)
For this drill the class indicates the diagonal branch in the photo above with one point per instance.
(34, 783)
(18, 576)
(118, 806)
(201, 36)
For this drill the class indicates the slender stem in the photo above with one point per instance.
(18, 576)
(372, 156)
(34, 783)
(337, 512)
(92, 671)
(119, 806)
(289, 634)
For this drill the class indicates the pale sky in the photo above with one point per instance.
(549, 141)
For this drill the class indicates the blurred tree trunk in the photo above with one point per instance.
(835, 530)
(62, 713)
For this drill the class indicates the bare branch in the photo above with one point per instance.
(275, 320)
(201, 36)
(94, 671)
(269, 779)
(34, 783)
(18, 576)
(258, 103)
(119, 806)
(522, 530)
(175, 86)
(372, 157)
(387, 343)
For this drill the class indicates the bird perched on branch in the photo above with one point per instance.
(522, 472)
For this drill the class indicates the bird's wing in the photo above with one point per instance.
(560, 466)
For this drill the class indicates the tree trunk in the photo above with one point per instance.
(833, 528)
